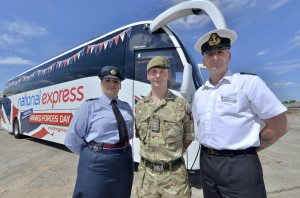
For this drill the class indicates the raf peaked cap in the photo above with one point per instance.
(110, 72)
(216, 39)
(158, 62)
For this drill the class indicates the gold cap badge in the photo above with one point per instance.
(214, 39)
(113, 72)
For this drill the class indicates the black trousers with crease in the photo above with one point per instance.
(239, 176)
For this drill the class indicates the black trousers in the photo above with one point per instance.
(239, 176)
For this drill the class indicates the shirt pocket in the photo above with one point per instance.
(143, 126)
(228, 104)
(173, 127)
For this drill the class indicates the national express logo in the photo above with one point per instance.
(63, 95)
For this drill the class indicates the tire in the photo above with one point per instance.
(16, 129)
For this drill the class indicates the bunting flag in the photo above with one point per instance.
(122, 35)
(105, 44)
(110, 42)
(88, 49)
(92, 48)
(100, 46)
(81, 52)
(96, 48)
(52, 66)
(128, 31)
(59, 63)
(116, 39)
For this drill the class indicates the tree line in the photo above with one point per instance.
(289, 102)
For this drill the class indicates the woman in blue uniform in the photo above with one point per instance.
(100, 132)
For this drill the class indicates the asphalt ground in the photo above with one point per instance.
(32, 168)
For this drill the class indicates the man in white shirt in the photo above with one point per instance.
(228, 109)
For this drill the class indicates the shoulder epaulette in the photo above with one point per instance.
(244, 73)
(91, 99)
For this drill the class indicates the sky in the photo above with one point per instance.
(268, 42)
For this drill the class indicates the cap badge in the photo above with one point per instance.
(113, 72)
(214, 39)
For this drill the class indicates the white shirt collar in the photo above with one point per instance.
(228, 77)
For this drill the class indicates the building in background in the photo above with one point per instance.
(293, 108)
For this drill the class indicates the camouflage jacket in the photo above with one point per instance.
(175, 125)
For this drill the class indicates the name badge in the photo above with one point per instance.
(155, 125)
(231, 99)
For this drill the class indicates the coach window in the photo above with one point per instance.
(143, 57)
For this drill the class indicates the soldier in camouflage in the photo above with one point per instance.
(164, 125)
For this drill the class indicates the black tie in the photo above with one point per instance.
(123, 134)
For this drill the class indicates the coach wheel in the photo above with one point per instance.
(16, 130)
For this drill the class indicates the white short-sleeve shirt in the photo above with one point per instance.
(229, 114)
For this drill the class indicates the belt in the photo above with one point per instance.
(169, 166)
(228, 153)
(105, 148)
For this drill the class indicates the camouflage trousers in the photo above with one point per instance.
(166, 184)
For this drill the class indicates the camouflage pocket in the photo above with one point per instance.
(173, 128)
(143, 126)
